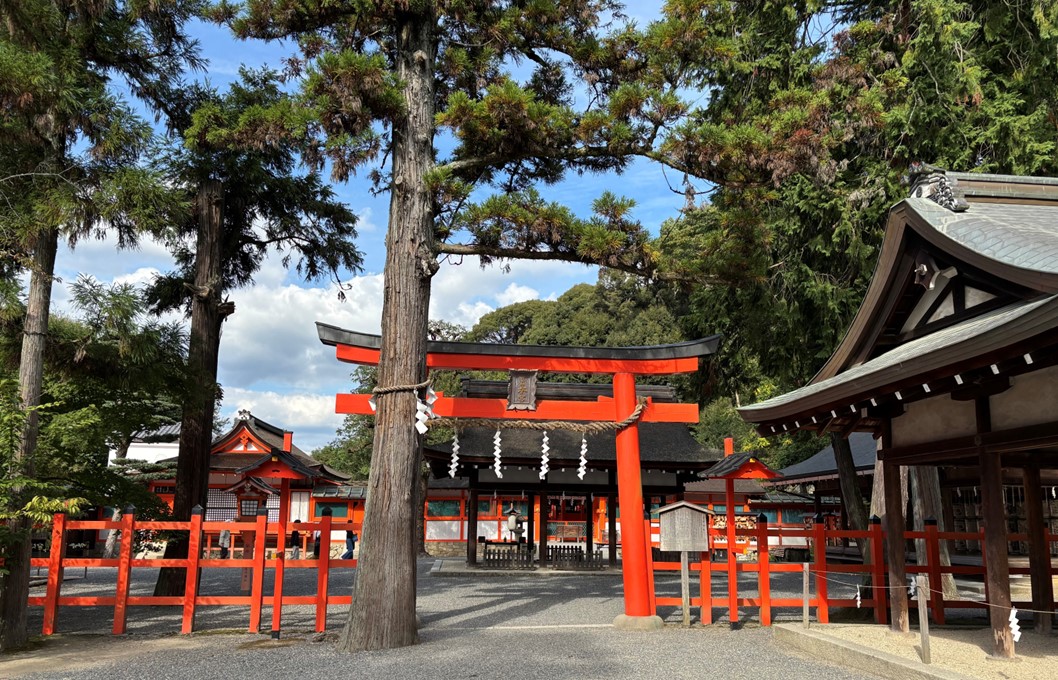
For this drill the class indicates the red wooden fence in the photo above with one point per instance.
(53, 599)
(824, 572)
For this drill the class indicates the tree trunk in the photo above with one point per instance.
(196, 425)
(383, 612)
(850, 491)
(110, 549)
(424, 488)
(926, 503)
(14, 586)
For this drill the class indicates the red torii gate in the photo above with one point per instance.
(624, 363)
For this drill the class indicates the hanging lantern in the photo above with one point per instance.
(454, 465)
(583, 469)
(544, 448)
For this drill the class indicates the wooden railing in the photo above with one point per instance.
(823, 572)
(190, 600)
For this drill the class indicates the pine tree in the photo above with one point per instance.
(248, 200)
(68, 146)
(387, 82)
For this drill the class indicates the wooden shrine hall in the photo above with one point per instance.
(952, 360)
(562, 497)
(622, 412)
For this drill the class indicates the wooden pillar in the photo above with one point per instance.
(993, 515)
(472, 528)
(589, 525)
(545, 504)
(611, 517)
(732, 561)
(530, 521)
(630, 492)
(995, 548)
(896, 552)
(1039, 551)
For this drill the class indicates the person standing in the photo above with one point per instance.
(316, 545)
(295, 542)
(224, 541)
(350, 545)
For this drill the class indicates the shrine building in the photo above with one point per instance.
(952, 361)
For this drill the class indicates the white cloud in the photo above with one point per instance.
(310, 416)
(516, 292)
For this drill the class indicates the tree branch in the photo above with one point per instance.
(463, 249)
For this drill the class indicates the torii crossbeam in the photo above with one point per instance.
(624, 363)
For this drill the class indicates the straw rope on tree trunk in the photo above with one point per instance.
(597, 427)
(400, 388)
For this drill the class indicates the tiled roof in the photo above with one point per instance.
(1023, 236)
(991, 331)
(344, 491)
(864, 453)
(663, 443)
(165, 433)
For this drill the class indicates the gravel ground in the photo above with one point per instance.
(515, 626)
(962, 650)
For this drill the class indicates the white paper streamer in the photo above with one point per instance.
(454, 465)
(858, 601)
(583, 469)
(1015, 629)
(421, 416)
(496, 450)
(544, 448)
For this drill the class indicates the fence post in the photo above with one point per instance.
(936, 585)
(55, 557)
(323, 570)
(257, 584)
(923, 615)
(194, 554)
(805, 599)
(121, 593)
(705, 588)
(881, 614)
(763, 570)
(820, 539)
(653, 596)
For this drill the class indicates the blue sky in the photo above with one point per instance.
(270, 359)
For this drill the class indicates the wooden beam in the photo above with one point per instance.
(1015, 439)
(1039, 552)
(983, 387)
(588, 411)
(487, 362)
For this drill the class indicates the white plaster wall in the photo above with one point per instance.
(931, 419)
(152, 453)
(1031, 399)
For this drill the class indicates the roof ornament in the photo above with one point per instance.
(929, 181)
(243, 414)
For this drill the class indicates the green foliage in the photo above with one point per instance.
(719, 420)
(248, 139)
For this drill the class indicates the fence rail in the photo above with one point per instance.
(254, 566)
(818, 537)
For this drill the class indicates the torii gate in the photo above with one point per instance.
(624, 363)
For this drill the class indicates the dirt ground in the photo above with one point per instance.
(962, 650)
(63, 653)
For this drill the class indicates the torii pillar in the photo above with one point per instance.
(638, 613)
